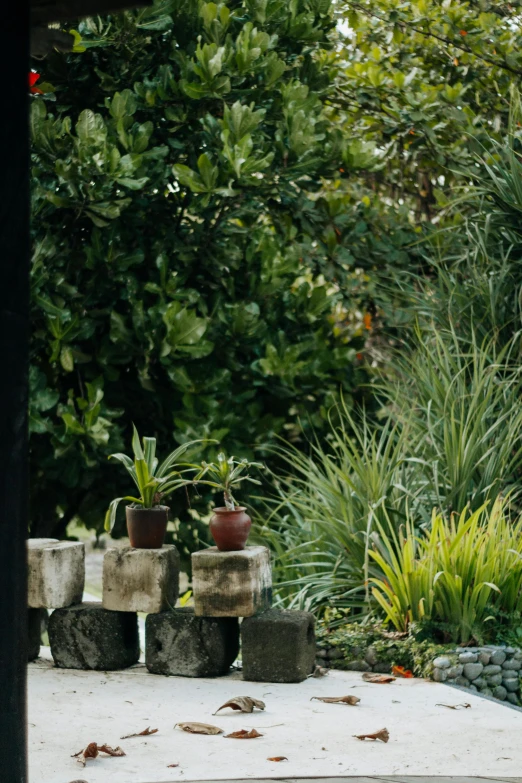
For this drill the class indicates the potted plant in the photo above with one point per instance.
(146, 516)
(230, 524)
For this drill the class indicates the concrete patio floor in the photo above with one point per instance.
(68, 709)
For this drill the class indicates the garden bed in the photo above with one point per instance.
(494, 670)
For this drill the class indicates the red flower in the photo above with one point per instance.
(463, 32)
(33, 78)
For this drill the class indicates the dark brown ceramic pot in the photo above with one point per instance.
(230, 529)
(147, 526)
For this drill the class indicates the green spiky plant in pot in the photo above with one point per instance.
(229, 524)
(146, 515)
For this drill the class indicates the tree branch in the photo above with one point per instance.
(429, 34)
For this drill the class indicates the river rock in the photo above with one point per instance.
(463, 682)
(455, 671)
(511, 685)
(494, 680)
(468, 657)
(512, 665)
(498, 657)
(499, 692)
(357, 666)
(473, 670)
(491, 669)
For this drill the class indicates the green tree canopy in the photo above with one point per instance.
(185, 255)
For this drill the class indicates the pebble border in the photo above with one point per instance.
(491, 670)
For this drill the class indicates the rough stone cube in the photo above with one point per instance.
(181, 644)
(87, 636)
(56, 573)
(278, 646)
(140, 580)
(34, 633)
(231, 584)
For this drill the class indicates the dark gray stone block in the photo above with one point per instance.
(87, 636)
(34, 633)
(178, 643)
(278, 646)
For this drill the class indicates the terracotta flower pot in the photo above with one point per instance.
(147, 526)
(230, 529)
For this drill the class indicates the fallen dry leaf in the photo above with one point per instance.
(243, 704)
(337, 699)
(382, 735)
(93, 749)
(378, 678)
(319, 671)
(400, 671)
(170, 766)
(277, 758)
(199, 728)
(145, 733)
(243, 734)
(464, 706)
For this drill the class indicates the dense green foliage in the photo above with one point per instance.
(182, 272)
(449, 435)
(427, 84)
(457, 575)
(229, 200)
(410, 651)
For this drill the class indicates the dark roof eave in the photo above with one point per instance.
(47, 11)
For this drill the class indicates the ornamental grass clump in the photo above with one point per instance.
(459, 574)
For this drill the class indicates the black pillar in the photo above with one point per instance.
(14, 351)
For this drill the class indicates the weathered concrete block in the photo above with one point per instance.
(87, 636)
(181, 644)
(56, 573)
(34, 633)
(140, 580)
(278, 646)
(231, 584)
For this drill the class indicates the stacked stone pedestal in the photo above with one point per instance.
(277, 646)
(204, 641)
(55, 580)
(87, 636)
(140, 580)
(179, 643)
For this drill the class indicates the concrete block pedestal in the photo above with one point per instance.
(140, 580)
(231, 584)
(180, 644)
(278, 646)
(87, 636)
(56, 573)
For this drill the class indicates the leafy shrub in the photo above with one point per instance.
(450, 438)
(183, 249)
(353, 639)
(329, 503)
(453, 573)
